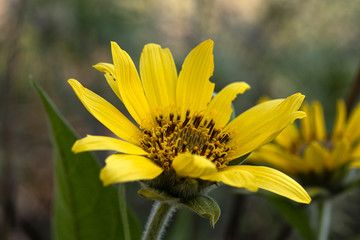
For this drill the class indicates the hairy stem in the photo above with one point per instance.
(159, 216)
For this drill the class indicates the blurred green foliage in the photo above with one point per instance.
(279, 47)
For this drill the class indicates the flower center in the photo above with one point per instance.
(171, 136)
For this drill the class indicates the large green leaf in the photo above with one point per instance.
(134, 224)
(83, 208)
(183, 226)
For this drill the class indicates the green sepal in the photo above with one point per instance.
(153, 194)
(239, 160)
(202, 205)
(205, 207)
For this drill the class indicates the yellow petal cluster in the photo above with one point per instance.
(309, 151)
(184, 132)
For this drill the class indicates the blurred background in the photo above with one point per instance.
(279, 47)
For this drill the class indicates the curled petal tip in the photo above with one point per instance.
(72, 81)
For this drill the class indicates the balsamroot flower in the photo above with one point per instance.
(310, 154)
(184, 143)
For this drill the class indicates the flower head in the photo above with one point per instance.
(312, 156)
(185, 141)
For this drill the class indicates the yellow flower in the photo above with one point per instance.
(312, 156)
(184, 143)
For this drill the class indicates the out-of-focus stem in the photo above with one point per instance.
(123, 212)
(324, 211)
(237, 212)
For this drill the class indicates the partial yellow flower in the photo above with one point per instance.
(185, 141)
(311, 155)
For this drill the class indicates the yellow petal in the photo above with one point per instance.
(109, 71)
(306, 129)
(107, 114)
(277, 182)
(159, 76)
(289, 138)
(262, 123)
(318, 123)
(235, 177)
(340, 154)
(130, 87)
(355, 164)
(194, 90)
(126, 168)
(352, 131)
(355, 153)
(317, 157)
(195, 166)
(96, 143)
(340, 121)
(219, 108)
(263, 98)
(275, 156)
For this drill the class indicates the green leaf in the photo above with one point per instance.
(182, 227)
(135, 227)
(205, 207)
(132, 229)
(83, 208)
(294, 214)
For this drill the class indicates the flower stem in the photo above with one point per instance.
(157, 221)
(324, 211)
(123, 212)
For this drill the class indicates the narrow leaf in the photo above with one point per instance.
(83, 208)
